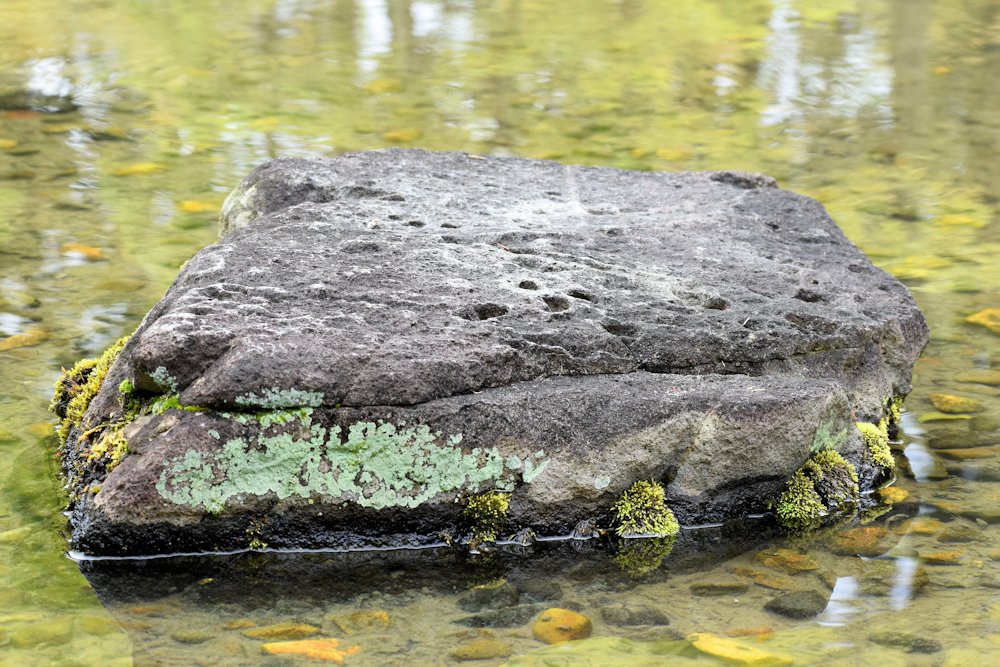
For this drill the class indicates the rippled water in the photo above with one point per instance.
(888, 112)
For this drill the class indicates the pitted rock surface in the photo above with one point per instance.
(696, 328)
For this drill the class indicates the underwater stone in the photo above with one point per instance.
(328, 375)
(798, 604)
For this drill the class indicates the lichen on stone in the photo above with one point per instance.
(164, 380)
(877, 442)
(826, 438)
(275, 398)
(376, 465)
(642, 510)
(487, 513)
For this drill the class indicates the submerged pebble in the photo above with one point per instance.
(560, 625)
(909, 642)
(481, 649)
(629, 615)
(797, 604)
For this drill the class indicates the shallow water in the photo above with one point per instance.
(888, 112)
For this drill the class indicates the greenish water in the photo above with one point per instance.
(886, 111)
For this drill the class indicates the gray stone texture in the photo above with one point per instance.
(693, 328)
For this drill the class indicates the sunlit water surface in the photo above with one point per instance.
(886, 111)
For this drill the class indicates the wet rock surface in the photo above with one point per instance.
(379, 335)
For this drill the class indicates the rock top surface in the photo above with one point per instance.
(424, 326)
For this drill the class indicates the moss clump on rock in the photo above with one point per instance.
(112, 446)
(826, 481)
(877, 442)
(799, 506)
(642, 510)
(487, 512)
(77, 387)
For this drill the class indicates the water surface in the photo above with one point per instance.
(886, 111)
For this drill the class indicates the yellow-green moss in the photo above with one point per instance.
(642, 510)
(894, 410)
(77, 387)
(825, 480)
(113, 446)
(487, 512)
(799, 506)
(877, 442)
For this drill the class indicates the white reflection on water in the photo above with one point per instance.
(839, 609)
(902, 583)
(376, 34)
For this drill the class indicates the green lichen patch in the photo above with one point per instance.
(276, 399)
(826, 437)
(826, 481)
(268, 418)
(77, 387)
(487, 513)
(164, 380)
(642, 510)
(375, 465)
(877, 443)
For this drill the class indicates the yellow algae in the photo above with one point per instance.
(967, 453)
(80, 250)
(383, 85)
(7, 144)
(951, 404)
(139, 169)
(960, 220)
(925, 417)
(776, 582)
(239, 624)
(60, 128)
(861, 541)
(32, 336)
(196, 206)
(786, 560)
(924, 526)
(369, 620)
(673, 154)
(328, 650)
(941, 557)
(760, 632)
(282, 631)
(893, 494)
(988, 317)
(734, 651)
(403, 135)
(986, 376)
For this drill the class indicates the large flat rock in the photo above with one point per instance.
(440, 324)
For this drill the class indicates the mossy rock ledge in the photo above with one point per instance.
(378, 338)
